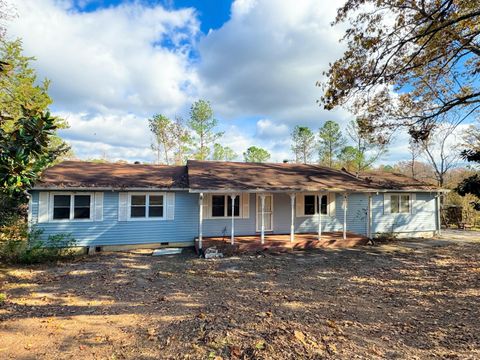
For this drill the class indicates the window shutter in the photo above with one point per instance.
(300, 208)
(98, 206)
(43, 208)
(386, 204)
(331, 203)
(245, 200)
(413, 203)
(170, 201)
(122, 206)
(206, 206)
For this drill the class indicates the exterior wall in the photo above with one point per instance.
(110, 231)
(422, 221)
(356, 218)
(184, 227)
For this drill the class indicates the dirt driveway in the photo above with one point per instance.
(392, 301)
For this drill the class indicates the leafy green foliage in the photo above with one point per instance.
(223, 153)
(331, 141)
(26, 151)
(256, 154)
(21, 245)
(303, 143)
(203, 123)
(471, 153)
(171, 140)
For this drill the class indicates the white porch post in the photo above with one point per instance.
(292, 224)
(369, 217)
(262, 197)
(439, 214)
(345, 204)
(319, 196)
(200, 220)
(232, 237)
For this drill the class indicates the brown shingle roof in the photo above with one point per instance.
(223, 176)
(395, 181)
(84, 174)
(220, 176)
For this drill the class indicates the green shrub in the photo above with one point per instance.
(3, 297)
(20, 245)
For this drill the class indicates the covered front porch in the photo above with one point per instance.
(256, 221)
(280, 242)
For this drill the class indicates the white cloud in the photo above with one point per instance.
(112, 68)
(108, 59)
(266, 60)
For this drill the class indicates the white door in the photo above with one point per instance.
(268, 213)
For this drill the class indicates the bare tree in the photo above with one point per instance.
(415, 152)
(440, 150)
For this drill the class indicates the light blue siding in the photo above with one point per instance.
(184, 227)
(423, 218)
(110, 231)
(356, 218)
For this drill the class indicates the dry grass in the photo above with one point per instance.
(366, 303)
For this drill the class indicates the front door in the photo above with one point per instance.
(268, 213)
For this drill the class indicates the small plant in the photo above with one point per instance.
(23, 246)
(385, 237)
(3, 297)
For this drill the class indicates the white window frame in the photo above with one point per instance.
(147, 206)
(225, 215)
(316, 203)
(72, 206)
(410, 203)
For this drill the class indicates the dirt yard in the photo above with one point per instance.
(406, 301)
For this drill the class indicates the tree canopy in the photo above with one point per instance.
(330, 143)
(407, 62)
(256, 154)
(203, 124)
(303, 143)
(223, 153)
(28, 138)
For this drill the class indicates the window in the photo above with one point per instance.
(222, 206)
(399, 204)
(143, 206)
(81, 208)
(311, 204)
(72, 207)
(61, 207)
(218, 205)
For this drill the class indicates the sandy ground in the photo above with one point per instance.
(410, 300)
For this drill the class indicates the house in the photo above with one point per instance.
(113, 204)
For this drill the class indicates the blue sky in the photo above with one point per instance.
(114, 63)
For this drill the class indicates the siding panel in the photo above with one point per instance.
(110, 231)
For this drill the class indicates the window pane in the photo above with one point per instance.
(156, 200)
(61, 201)
(236, 206)
(218, 205)
(138, 200)
(394, 204)
(405, 204)
(61, 213)
(82, 201)
(81, 213)
(324, 204)
(309, 204)
(137, 211)
(155, 211)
